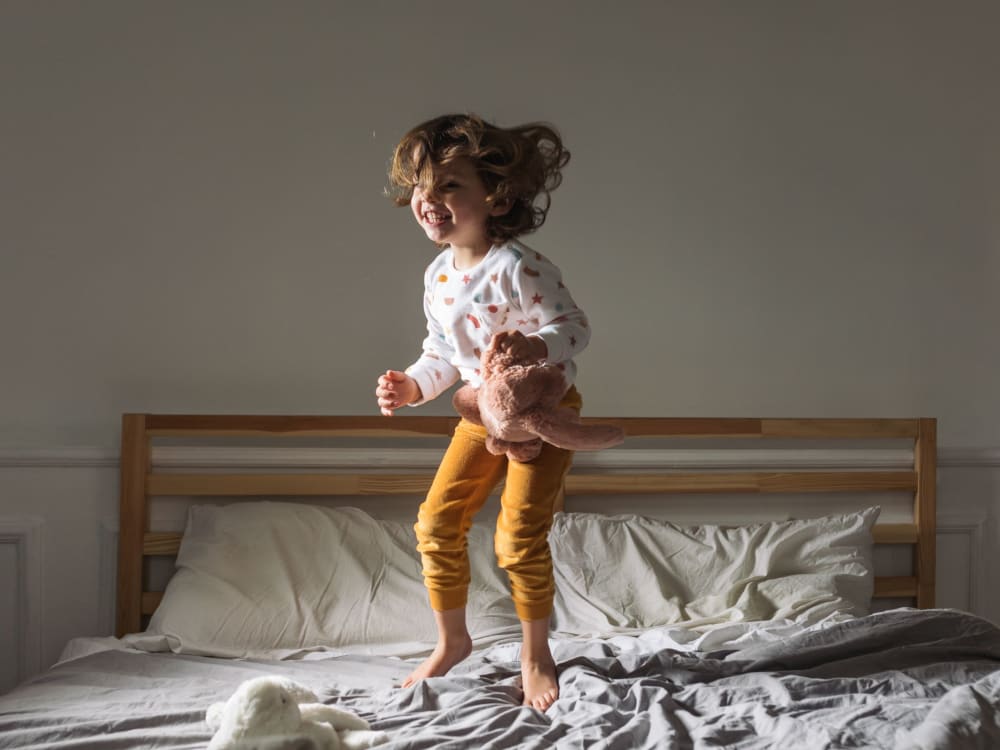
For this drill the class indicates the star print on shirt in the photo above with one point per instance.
(515, 289)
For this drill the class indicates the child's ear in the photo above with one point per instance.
(500, 208)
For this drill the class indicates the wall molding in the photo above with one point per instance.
(25, 534)
(61, 457)
(977, 458)
(299, 457)
(971, 526)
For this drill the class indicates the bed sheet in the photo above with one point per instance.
(898, 679)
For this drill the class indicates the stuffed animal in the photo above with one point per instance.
(518, 404)
(275, 707)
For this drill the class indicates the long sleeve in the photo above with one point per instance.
(547, 306)
(433, 371)
(512, 288)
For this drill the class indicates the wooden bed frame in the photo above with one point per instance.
(141, 482)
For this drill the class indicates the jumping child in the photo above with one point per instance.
(475, 189)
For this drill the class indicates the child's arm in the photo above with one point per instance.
(432, 373)
(545, 300)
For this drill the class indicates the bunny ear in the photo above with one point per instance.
(299, 693)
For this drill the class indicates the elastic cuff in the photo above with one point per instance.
(536, 611)
(554, 345)
(426, 385)
(442, 601)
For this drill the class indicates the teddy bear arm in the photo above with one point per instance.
(524, 451)
(323, 736)
(466, 404)
(563, 429)
(354, 739)
(338, 718)
(549, 384)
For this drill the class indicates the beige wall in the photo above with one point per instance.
(772, 208)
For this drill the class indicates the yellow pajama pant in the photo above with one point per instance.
(466, 477)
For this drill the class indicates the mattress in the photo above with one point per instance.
(903, 678)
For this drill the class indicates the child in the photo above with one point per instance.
(474, 189)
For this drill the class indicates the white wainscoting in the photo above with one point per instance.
(960, 560)
(20, 598)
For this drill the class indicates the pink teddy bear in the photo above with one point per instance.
(518, 404)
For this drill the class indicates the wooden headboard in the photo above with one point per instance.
(141, 482)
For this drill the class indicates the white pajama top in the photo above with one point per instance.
(512, 288)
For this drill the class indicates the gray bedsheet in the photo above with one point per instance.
(900, 679)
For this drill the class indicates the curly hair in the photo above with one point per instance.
(520, 166)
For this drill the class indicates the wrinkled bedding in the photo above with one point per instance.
(898, 679)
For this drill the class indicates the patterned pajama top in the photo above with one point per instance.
(512, 288)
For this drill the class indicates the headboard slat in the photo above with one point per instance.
(742, 482)
(169, 543)
(208, 425)
(139, 484)
(257, 485)
(133, 520)
(925, 511)
(895, 587)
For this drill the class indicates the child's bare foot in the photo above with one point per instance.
(442, 659)
(539, 682)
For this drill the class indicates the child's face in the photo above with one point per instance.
(452, 209)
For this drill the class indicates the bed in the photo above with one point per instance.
(675, 626)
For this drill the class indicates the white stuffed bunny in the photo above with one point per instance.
(276, 707)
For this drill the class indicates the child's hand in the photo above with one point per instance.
(526, 349)
(396, 389)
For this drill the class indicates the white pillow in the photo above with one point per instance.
(262, 576)
(625, 572)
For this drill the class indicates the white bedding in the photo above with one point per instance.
(657, 642)
(715, 637)
(280, 580)
(626, 572)
(904, 679)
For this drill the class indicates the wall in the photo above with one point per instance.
(772, 209)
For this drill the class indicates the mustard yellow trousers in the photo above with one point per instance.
(464, 480)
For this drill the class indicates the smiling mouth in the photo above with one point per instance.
(436, 217)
